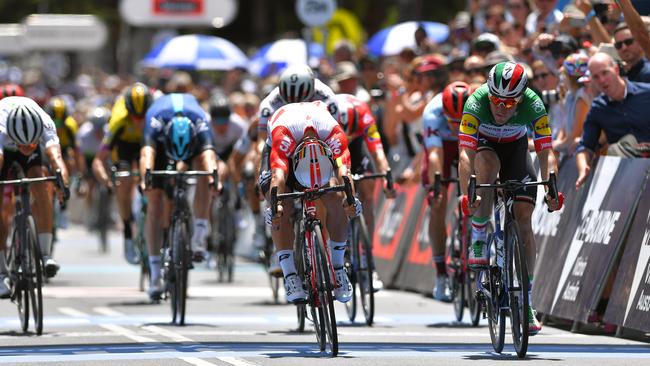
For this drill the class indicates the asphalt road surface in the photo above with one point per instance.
(95, 315)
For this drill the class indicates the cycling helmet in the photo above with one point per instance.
(507, 80)
(348, 114)
(24, 125)
(312, 163)
(219, 107)
(100, 117)
(575, 65)
(297, 84)
(179, 138)
(11, 90)
(453, 99)
(137, 99)
(57, 109)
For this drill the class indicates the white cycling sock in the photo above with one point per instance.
(337, 253)
(154, 265)
(3, 262)
(285, 258)
(45, 240)
(201, 231)
(479, 229)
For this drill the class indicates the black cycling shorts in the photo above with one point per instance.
(26, 162)
(516, 164)
(125, 153)
(361, 161)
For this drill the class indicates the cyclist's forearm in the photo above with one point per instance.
(278, 179)
(99, 170)
(465, 167)
(547, 162)
(434, 161)
(56, 160)
(380, 161)
(147, 158)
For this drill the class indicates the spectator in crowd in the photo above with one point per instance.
(517, 11)
(494, 17)
(545, 18)
(475, 70)
(546, 85)
(369, 73)
(423, 44)
(461, 34)
(636, 65)
(620, 112)
(456, 69)
(511, 34)
(575, 104)
(344, 50)
(346, 81)
(484, 44)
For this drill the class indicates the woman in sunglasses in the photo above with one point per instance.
(493, 140)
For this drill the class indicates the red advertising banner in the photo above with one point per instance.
(177, 7)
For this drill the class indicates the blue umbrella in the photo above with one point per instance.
(274, 57)
(392, 40)
(196, 52)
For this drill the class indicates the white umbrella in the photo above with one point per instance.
(196, 52)
(275, 56)
(392, 40)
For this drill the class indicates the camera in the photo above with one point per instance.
(550, 96)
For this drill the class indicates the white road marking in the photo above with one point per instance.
(176, 337)
(72, 312)
(103, 310)
(236, 361)
(196, 361)
(125, 332)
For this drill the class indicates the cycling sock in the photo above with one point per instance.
(127, 229)
(3, 262)
(530, 290)
(285, 258)
(201, 231)
(337, 253)
(45, 240)
(154, 265)
(441, 268)
(479, 229)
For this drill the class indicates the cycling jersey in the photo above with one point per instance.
(48, 138)
(274, 101)
(121, 127)
(436, 126)
(87, 139)
(364, 125)
(167, 107)
(478, 121)
(225, 142)
(289, 125)
(67, 132)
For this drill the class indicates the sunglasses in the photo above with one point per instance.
(507, 103)
(541, 75)
(628, 42)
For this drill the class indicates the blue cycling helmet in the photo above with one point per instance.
(179, 138)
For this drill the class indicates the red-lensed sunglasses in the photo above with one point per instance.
(507, 103)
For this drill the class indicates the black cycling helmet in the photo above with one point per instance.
(219, 107)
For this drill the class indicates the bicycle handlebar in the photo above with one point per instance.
(388, 176)
(311, 194)
(58, 178)
(511, 185)
(168, 174)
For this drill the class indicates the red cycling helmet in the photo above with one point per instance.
(454, 97)
(11, 90)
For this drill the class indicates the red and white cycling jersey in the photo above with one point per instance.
(360, 124)
(289, 125)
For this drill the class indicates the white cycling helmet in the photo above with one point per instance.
(312, 164)
(297, 84)
(507, 80)
(24, 125)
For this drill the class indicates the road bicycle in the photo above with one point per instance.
(139, 241)
(176, 250)
(223, 233)
(503, 285)
(314, 263)
(359, 262)
(24, 259)
(462, 281)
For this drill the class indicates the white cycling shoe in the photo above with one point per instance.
(294, 292)
(343, 289)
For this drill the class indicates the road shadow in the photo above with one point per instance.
(493, 356)
(457, 325)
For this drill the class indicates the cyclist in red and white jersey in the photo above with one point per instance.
(292, 124)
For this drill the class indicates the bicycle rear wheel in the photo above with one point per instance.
(180, 257)
(352, 265)
(456, 270)
(17, 273)
(364, 280)
(518, 291)
(35, 275)
(473, 305)
(326, 311)
(496, 315)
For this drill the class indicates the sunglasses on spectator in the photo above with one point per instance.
(628, 42)
(506, 102)
(541, 75)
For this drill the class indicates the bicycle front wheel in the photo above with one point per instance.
(518, 289)
(35, 275)
(352, 265)
(495, 314)
(326, 311)
(16, 271)
(455, 269)
(180, 256)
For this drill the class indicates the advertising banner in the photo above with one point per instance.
(604, 219)
(629, 302)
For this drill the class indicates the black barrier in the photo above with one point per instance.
(629, 302)
(393, 228)
(605, 214)
(550, 229)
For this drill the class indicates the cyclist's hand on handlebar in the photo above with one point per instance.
(353, 210)
(554, 205)
(468, 210)
(278, 216)
(390, 193)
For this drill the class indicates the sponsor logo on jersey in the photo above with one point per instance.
(473, 105)
(468, 142)
(373, 133)
(538, 106)
(542, 126)
(468, 125)
(266, 113)
(335, 145)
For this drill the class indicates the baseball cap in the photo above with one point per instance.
(345, 70)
